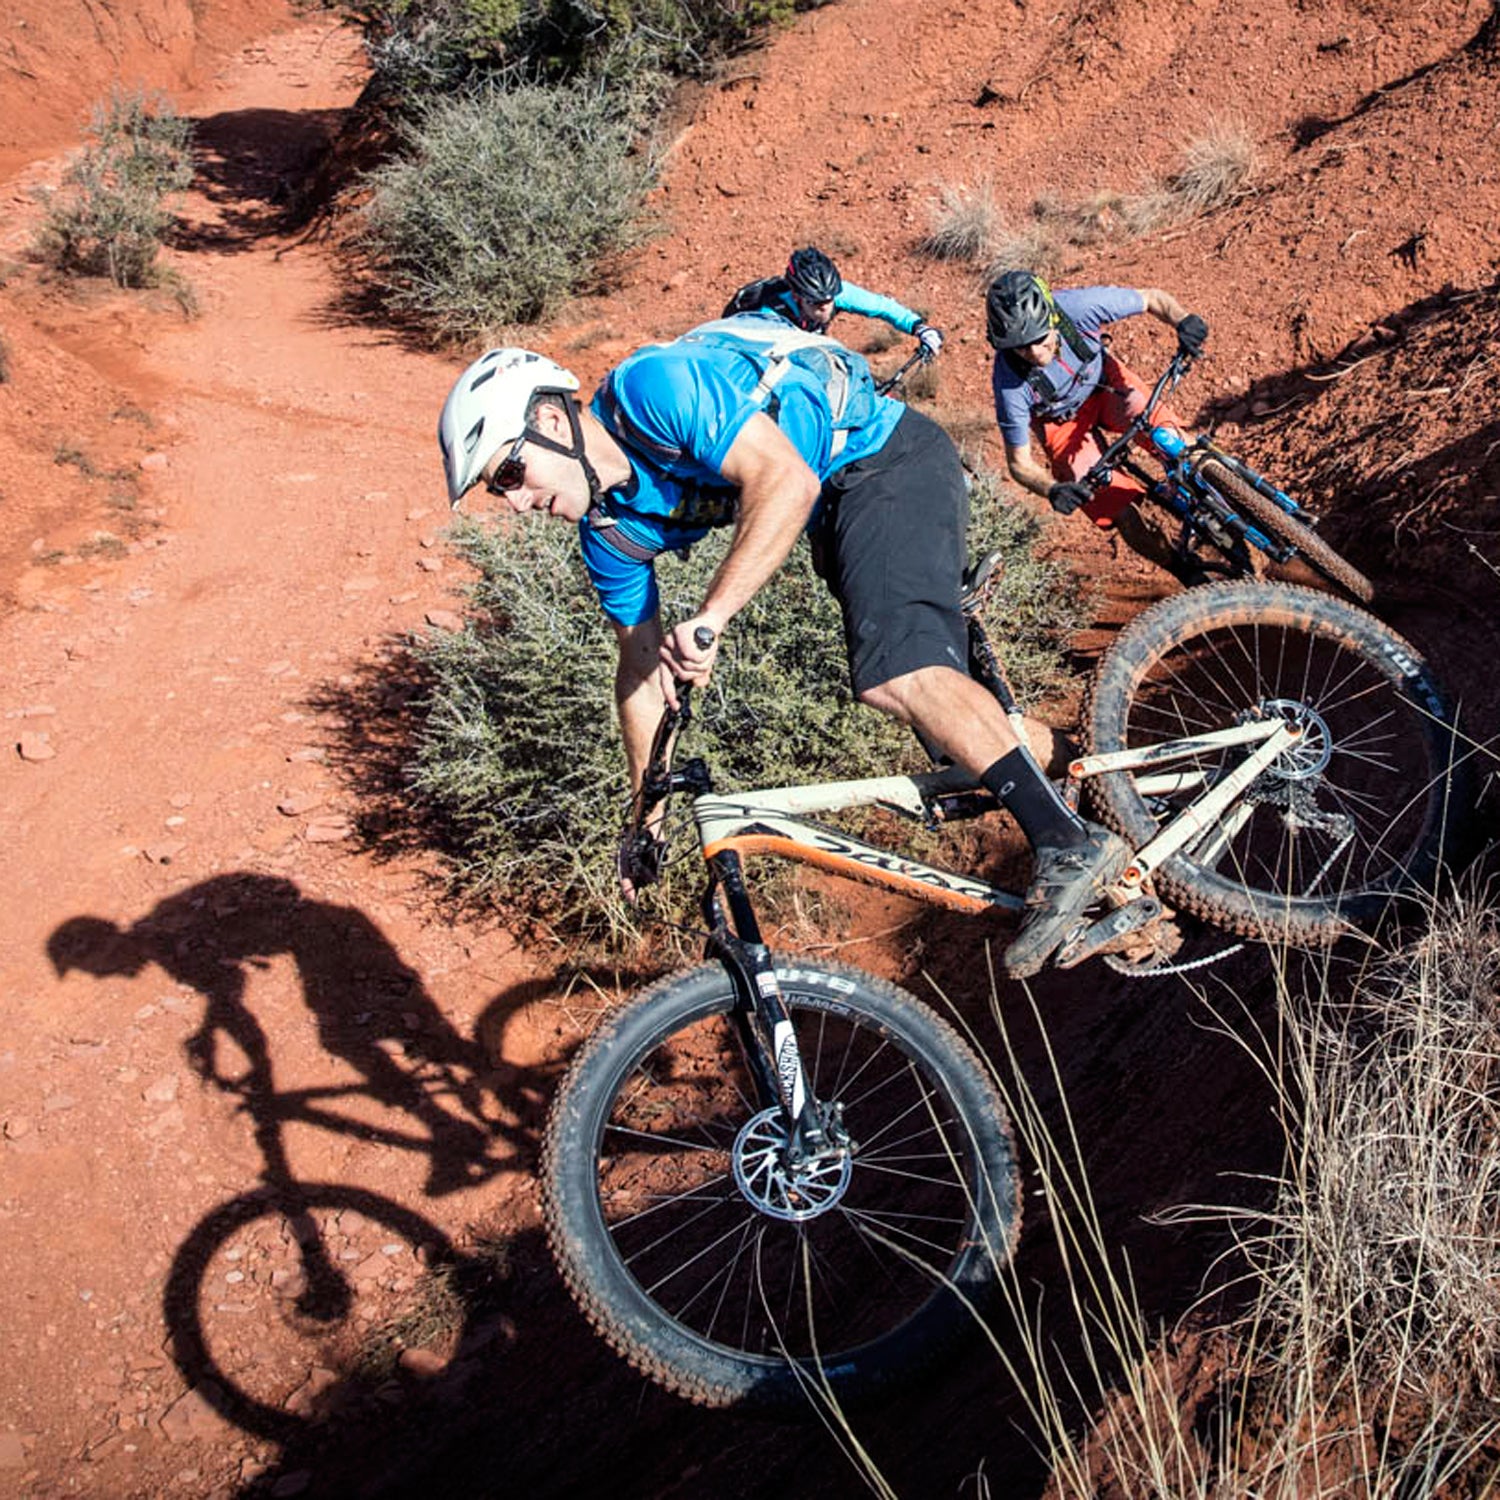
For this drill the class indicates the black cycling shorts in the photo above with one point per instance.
(892, 547)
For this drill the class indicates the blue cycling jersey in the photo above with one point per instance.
(867, 304)
(677, 410)
(773, 295)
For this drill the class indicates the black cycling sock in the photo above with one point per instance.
(1024, 791)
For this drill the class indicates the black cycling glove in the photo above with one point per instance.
(1065, 498)
(1192, 333)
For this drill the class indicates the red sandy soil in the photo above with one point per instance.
(224, 965)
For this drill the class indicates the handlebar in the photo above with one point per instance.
(640, 849)
(919, 356)
(1099, 472)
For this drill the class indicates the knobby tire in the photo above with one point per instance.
(1321, 848)
(701, 1288)
(1272, 519)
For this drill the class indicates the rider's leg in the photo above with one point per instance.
(1075, 860)
(1123, 398)
(956, 713)
(895, 558)
(1072, 449)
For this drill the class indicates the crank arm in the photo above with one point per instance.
(1118, 924)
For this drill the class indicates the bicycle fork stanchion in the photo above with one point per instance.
(764, 1023)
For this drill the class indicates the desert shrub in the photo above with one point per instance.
(520, 167)
(418, 47)
(520, 751)
(110, 217)
(503, 201)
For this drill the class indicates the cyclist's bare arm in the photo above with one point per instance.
(1163, 306)
(638, 695)
(1026, 471)
(777, 494)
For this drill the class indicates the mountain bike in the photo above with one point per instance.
(1225, 509)
(772, 1178)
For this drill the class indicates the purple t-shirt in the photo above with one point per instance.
(1070, 383)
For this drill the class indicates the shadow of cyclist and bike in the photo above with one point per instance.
(418, 1085)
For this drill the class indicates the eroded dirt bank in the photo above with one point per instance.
(224, 972)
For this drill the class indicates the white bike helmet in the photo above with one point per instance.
(488, 408)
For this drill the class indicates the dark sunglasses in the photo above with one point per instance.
(510, 472)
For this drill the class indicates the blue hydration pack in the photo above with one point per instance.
(774, 348)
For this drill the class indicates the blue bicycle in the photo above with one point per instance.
(1227, 511)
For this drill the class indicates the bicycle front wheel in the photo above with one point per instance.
(1274, 521)
(690, 1251)
(1368, 804)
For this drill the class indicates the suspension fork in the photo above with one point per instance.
(761, 1016)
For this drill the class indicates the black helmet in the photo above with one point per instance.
(1019, 310)
(812, 276)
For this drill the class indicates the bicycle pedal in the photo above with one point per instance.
(1098, 935)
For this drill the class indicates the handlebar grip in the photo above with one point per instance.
(703, 637)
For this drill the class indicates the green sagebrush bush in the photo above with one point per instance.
(421, 46)
(501, 203)
(520, 751)
(110, 216)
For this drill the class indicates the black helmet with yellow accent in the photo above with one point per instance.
(1019, 310)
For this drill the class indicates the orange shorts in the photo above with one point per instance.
(1073, 449)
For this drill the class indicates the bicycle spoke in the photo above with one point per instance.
(701, 1243)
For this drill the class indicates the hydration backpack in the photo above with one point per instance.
(774, 348)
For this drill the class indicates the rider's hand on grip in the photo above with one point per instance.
(931, 340)
(1192, 334)
(687, 658)
(1068, 496)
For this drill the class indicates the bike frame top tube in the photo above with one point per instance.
(772, 822)
(1167, 382)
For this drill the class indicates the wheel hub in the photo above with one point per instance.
(1314, 748)
(763, 1174)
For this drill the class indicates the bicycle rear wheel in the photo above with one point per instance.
(1273, 520)
(1367, 807)
(660, 1190)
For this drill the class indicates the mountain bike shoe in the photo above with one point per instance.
(1066, 883)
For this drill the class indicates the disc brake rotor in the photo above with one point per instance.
(761, 1172)
(1312, 751)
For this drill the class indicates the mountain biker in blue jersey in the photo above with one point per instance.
(811, 291)
(712, 430)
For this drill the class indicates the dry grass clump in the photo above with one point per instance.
(1393, 1217)
(1032, 246)
(1216, 166)
(969, 224)
(1367, 1360)
(963, 222)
